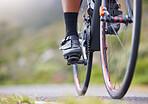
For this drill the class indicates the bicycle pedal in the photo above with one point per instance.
(73, 60)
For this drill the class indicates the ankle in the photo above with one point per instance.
(71, 23)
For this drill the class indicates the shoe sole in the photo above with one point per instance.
(72, 58)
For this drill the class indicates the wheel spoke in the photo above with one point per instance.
(119, 40)
(123, 48)
(112, 51)
(115, 45)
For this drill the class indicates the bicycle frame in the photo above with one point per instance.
(106, 17)
(95, 26)
(129, 9)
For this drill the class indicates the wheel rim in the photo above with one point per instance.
(116, 52)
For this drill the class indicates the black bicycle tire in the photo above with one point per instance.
(133, 56)
(82, 90)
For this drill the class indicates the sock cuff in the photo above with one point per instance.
(71, 23)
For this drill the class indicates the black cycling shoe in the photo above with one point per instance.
(71, 49)
(113, 9)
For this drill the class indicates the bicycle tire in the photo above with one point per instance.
(82, 72)
(82, 87)
(118, 93)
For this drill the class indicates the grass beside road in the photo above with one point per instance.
(16, 99)
(23, 99)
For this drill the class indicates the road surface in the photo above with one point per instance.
(135, 95)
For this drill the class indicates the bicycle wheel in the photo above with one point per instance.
(82, 70)
(82, 75)
(119, 51)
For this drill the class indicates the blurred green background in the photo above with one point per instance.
(30, 34)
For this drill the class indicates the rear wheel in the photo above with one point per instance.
(119, 51)
(82, 71)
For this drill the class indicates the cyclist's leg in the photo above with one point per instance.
(71, 5)
(71, 9)
(71, 46)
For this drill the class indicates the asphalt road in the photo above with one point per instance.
(135, 95)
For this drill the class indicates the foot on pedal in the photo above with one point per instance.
(71, 49)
